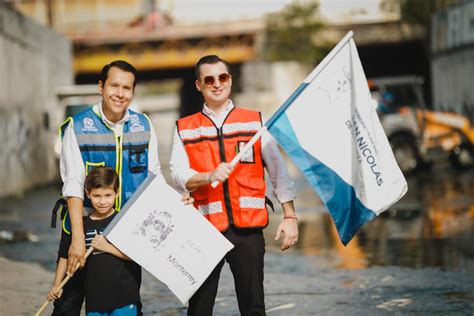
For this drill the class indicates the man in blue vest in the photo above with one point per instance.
(110, 134)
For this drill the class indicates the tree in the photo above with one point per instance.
(290, 34)
(415, 11)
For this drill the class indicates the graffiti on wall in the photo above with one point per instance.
(21, 161)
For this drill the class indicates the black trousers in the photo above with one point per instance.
(70, 302)
(246, 263)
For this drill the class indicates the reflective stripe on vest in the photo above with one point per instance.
(239, 201)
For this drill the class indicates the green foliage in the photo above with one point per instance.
(290, 34)
(418, 12)
(415, 11)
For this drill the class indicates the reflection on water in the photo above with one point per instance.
(433, 225)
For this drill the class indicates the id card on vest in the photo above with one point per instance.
(249, 156)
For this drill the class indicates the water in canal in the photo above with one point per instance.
(432, 226)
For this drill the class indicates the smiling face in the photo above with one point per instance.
(117, 93)
(102, 200)
(216, 95)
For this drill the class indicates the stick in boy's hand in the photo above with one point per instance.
(54, 293)
(59, 288)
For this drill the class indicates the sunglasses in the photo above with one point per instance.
(211, 80)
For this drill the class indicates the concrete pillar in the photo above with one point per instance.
(34, 60)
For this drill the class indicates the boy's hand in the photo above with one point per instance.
(100, 243)
(54, 293)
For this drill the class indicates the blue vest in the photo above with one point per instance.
(127, 154)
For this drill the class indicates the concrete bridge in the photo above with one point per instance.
(169, 52)
(170, 47)
(386, 48)
(180, 46)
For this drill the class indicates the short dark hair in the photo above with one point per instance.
(122, 65)
(100, 178)
(209, 59)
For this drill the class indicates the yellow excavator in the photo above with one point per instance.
(419, 136)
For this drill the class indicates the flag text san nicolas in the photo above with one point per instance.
(364, 149)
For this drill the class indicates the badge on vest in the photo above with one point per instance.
(135, 125)
(249, 156)
(88, 125)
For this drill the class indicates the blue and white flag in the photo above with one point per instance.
(330, 129)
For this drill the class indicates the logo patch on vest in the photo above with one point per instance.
(135, 125)
(88, 125)
(249, 156)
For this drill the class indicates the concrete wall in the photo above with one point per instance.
(452, 64)
(452, 81)
(265, 86)
(33, 61)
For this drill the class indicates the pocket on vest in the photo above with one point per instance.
(138, 161)
(248, 184)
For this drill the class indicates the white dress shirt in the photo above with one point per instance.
(283, 187)
(71, 165)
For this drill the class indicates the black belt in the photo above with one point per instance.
(269, 203)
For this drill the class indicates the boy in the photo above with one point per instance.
(111, 279)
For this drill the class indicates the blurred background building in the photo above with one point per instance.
(164, 38)
(271, 45)
(53, 50)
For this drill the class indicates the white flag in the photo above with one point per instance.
(330, 129)
(174, 242)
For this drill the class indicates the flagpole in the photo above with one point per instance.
(290, 100)
(244, 150)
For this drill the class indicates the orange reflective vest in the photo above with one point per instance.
(239, 201)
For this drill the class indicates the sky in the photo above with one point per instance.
(187, 11)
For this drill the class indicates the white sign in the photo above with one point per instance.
(174, 242)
